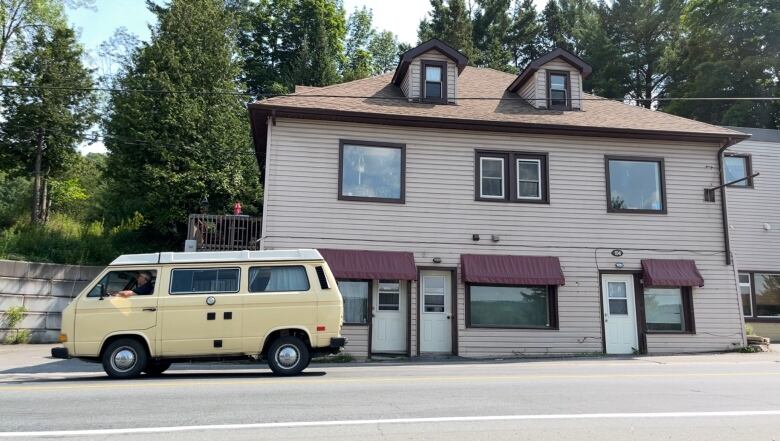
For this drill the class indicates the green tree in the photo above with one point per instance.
(288, 42)
(554, 27)
(384, 50)
(44, 123)
(524, 34)
(357, 56)
(611, 71)
(451, 23)
(644, 31)
(728, 49)
(169, 150)
(492, 24)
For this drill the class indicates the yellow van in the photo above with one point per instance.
(146, 311)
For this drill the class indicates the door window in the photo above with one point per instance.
(434, 293)
(204, 281)
(389, 296)
(140, 282)
(618, 302)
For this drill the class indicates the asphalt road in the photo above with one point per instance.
(708, 397)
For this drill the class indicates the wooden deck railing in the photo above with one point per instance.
(218, 232)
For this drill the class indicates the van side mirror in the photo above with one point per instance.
(103, 291)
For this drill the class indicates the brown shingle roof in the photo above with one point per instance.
(377, 97)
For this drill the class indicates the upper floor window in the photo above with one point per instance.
(558, 90)
(434, 80)
(635, 185)
(371, 171)
(738, 167)
(511, 176)
(204, 280)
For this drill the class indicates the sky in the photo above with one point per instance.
(98, 24)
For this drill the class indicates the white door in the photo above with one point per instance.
(436, 312)
(389, 315)
(619, 313)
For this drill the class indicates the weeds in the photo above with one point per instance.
(11, 319)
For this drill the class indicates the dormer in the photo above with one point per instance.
(553, 81)
(429, 72)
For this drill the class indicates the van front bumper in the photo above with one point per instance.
(59, 353)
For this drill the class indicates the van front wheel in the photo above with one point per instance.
(288, 356)
(124, 358)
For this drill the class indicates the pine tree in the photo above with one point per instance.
(169, 150)
(492, 24)
(451, 23)
(44, 123)
(525, 42)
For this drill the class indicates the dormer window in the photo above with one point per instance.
(558, 92)
(434, 81)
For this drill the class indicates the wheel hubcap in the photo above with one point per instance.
(123, 359)
(287, 356)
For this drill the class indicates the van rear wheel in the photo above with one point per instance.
(288, 356)
(124, 358)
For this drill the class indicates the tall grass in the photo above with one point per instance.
(66, 240)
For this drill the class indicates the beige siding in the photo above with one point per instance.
(754, 247)
(413, 75)
(357, 340)
(528, 91)
(405, 85)
(575, 80)
(440, 216)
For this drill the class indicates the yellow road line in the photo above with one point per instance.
(114, 385)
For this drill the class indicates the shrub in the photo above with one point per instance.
(11, 319)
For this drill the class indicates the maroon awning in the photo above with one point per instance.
(671, 272)
(511, 270)
(370, 265)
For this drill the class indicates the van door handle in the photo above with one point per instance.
(149, 309)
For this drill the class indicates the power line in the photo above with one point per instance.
(372, 97)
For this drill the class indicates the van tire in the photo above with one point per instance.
(288, 356)
(124, 358)
(155, 368)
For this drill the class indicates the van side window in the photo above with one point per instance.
(116, 281)
(204, 281)
(323, 280)
(278, 279)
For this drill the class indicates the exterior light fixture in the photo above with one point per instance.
(475, 237)
(619, 265)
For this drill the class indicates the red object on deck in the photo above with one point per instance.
(237, 208)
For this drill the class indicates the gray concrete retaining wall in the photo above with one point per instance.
(45, 289)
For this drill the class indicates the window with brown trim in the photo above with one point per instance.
(668, 310)
(511, 177)
(511, 306)
(738, 166)
(760, 293)
(635, 184)
(558, 90)
(433, 81)
(372, 171)
(355, 295)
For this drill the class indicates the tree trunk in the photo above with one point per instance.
(36, 207)
(648, 88)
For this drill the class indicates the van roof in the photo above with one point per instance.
(217, 256)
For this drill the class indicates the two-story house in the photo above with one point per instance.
(474, 212)
(754, 226)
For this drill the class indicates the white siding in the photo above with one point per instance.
(413, 75)
(440, 215)
(754, 247)
(575, 80)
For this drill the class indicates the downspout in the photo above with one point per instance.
(723, 206)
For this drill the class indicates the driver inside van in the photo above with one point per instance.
(143, 286)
